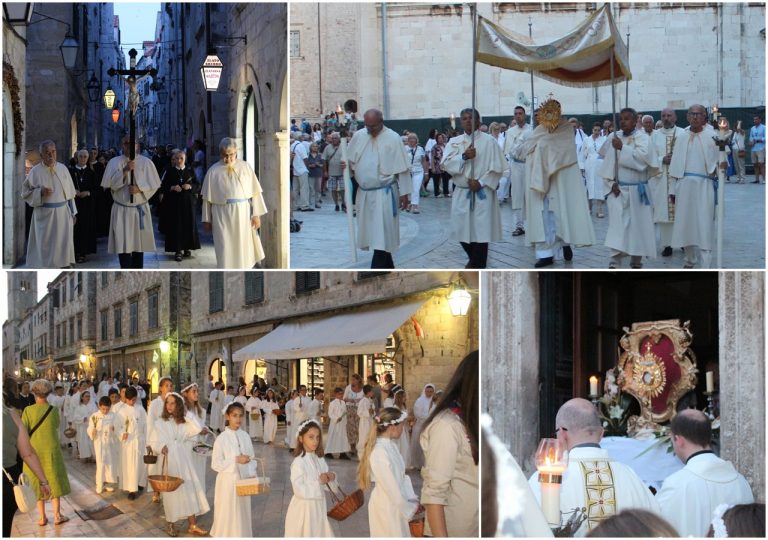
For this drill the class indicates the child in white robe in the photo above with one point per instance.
(307, 514)
(421, 410)
(365, 412)
(393, 502)
(168, 440)
(241, 397)
(289, 441)
(268, 406)
(229, 397)
(133, 429)
(216, 398)
(315, 409)
(253, 411)
(196, 413)
(337, 443)
(154, 411)
(80, 420)
(233, 459)
(404, 441)
(102, 430)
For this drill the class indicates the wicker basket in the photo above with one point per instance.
(255, 416)
(70, 433)
(346, 505)
(162, 482)
(150, 458)
(258, 485)
(416, 525)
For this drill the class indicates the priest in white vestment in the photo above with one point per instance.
(590, 151)
(593, 480)
(377, 157)
(130, 227)
(556, 209)
(689, 497)
(694, 165)
(476, 168)
(513, 145)
(662, 185)
(49, 190)
(232, 206)
(630, 214)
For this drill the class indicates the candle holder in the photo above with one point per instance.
(710, 405)
(551, 462)
(595, 399)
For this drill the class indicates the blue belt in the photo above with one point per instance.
(235, 201)
(518, 160)
(715, 183)
(471, 196)
(68, 204)
(140, 208)
(641, 190)
(388, 188)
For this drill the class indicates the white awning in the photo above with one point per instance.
(358, 332)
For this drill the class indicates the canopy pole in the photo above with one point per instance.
(613, 105)
(626, 81)
(533, 116)
(473, 12)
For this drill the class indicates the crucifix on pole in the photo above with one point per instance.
(133, 76)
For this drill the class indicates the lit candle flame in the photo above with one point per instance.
(453, 121)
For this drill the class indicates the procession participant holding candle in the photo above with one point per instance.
(476, 164)
(196, 413)
(592, 480)
(133, 429)
(688, 497)
(694, 163)
(103, 431)
(376, 154)
(154, 412)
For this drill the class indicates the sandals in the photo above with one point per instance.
(155, 497)
(43, 522)
(170, 530)
(197, 531)
(60, 519)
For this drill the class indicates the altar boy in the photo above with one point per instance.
(102, 430)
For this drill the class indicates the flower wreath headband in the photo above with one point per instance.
(229, 406)
(305, 423)
(718, 525)
(393, 422)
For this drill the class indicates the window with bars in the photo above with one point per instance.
(118, 316)
(152, 308)
(254, 287)
(215, 292)
(103, 325)
(295, 44)
(307, 281)
(133, 310)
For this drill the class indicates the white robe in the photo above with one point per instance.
(81, 422)
(270, 420)
(383, 175)
(255, 428)
(590, 151)
(231, 196)
(289, 425)
(393, 502)
(662, 185)
(51, 242)
(189, 499)
(421, 409)
(104, 437)
(694, 196)
(130, 228)
(613, 483)
(231, 512)
(154, 410)
(300, 414)
(199, 461)
(217, 403)
(475, 216)
(315, 408)
(404, 444)
(689, 497)
(133, 472)
(513, 142)
(630, 216)
(306, 516)
(58, 402)
(337, 429)
(364, 408)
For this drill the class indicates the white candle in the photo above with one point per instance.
(550, 503)
(710, 381)
(593, 386)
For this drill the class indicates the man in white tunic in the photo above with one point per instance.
(476, 163)
(662, 185)
(689, 497)
(384, 177)
(49, 190)
(593, 480)
(630, 214)
(130, 228)
(694, 164)
(513, 145)
(232, 206)
(556, 208)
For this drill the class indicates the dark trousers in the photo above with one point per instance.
(382, 259)
(477, 253)
(437, 178)
(9, 501)
(131, 260)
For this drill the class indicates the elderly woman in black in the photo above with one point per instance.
(180, 188)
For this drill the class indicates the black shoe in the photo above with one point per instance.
(567, 253)
(141, 488)
(755, 182)
(179, 256)
(518, 232)
(343, 207)
(337, 208)
(667, 252)
(132, 496)
(187, 253)
(546, 261)
(344, 456)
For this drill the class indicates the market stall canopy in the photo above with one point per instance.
(580, 58)
(358, 332)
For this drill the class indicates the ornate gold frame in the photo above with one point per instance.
(644, 378)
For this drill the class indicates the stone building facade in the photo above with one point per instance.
(512, 346)
(233, 316)
(21, 301)
(415, 60)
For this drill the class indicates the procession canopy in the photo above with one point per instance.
(581, 58)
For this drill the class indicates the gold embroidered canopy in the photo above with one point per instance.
(580, 58)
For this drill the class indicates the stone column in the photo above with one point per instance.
(283, 211)
(742, 374)
(510, 360)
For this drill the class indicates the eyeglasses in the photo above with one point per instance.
(560, 429)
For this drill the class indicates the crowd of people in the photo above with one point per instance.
(115, 425)
(656, 194)
(109, 194)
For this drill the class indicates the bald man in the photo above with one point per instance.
(689, 497)
(662, 185)
(593, 480)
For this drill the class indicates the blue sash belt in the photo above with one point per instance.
(139, 208)
(235, 201)
(715, 182)
(390, 191)
(471, 196)
(641, 190)
(68, 204)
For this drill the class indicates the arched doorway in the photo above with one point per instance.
(250, 127)
(254, 367)
(218, 370)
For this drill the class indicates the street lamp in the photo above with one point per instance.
(165, 346)
(94, 88)
(109, 97)
(211, 72)
(68, 50)
(459, 300)
(17, 13)
(83, 358)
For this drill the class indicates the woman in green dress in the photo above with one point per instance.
(45, 441)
